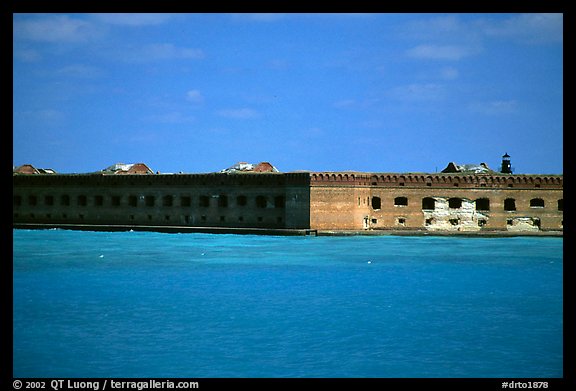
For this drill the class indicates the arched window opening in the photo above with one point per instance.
(455, 203)
(509, 204)
(483, 204)
(428, 203)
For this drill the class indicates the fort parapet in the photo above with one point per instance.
(323, 201)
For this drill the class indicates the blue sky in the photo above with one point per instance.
(320, 92)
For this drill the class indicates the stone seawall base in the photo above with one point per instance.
(284, 232)
(169, 229)
(406, 232)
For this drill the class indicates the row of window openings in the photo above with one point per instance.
(187, 219)
(402, 221)
(481, 222)
(429, 203)
(150, 201)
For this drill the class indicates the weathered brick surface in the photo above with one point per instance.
(345, 201)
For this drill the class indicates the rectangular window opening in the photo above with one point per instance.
(222, 201)
(82, 200)
(204, 201)
(167, 200)
(185, 201)
(65, 200)
(401, 201)
(376, 203)
(133, 201)
(115, 200)
(49, 200)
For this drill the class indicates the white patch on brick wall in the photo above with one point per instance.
(444, 218)
(523, 224)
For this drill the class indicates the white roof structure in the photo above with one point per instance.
(249, 167)
(481, 168)
(118, 167)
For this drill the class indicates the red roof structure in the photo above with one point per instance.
(128, 169)
(249, 167)
(26, 169)
(264, 167)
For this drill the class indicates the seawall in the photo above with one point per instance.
(283, 232)
(170, 229)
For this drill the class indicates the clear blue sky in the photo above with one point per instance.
(364, 92)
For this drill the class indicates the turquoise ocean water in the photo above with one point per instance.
(142, 304)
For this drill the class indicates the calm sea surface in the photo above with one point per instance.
(141, 304)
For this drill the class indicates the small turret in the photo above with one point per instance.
(506, 165)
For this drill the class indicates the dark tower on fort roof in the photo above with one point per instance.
(506, 166)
